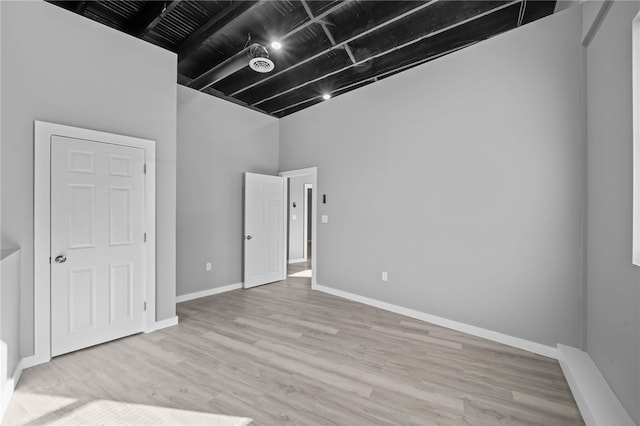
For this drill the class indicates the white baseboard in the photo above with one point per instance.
(169, 322)
(505, 339)
(9, 387)
(297, 260)
(596, 401)
(32, 360)
(210, 292)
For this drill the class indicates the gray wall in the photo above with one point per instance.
(217, 142)
(461, 178)
(297, 237)
(613, 282)
(62, 68)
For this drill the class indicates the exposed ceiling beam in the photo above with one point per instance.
(386, 52)
(74, 6)
(186, 81)
(213, 27)
(149, 16)
(81, 6)
(98, 8)
(314, 20)
(375, 77)
(326, 31)
(523, 6)
(338, 45)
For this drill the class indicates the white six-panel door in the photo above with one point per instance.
(97, 243)
(264, 224)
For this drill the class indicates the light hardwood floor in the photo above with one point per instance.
(282, 354)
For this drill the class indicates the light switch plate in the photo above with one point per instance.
(294, 217)
(207, 266)
(325, 218)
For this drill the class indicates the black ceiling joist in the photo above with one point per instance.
(337, 45)
(150, 15)
(209, 30)
(326, 30)
(434, 20)
(332, 46)
(313, 19)
(80, 7)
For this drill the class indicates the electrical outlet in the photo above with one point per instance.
(385, 276)
(207, 266)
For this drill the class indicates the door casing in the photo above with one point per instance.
(305, 239)
(312, 172)
(42, 227)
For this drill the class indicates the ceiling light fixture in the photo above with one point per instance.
(276, 45)
(326, 96)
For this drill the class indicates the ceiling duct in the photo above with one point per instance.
(255, 56)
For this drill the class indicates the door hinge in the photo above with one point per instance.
(144, 169)
(49, 259)
(145, 237)
(145, 306)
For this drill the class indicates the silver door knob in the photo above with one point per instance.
(249, 237)
(61, 259)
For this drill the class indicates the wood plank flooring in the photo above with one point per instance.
(282, 354)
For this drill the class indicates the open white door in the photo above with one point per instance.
(264, 225)
(97, 243)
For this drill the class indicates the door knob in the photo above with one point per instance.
(249, 237)
(61, 259)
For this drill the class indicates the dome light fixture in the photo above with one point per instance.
(326, 96)
(276, 45)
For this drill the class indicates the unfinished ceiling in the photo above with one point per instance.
(328, 47)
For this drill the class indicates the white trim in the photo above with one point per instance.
(9, 387)
(169, 322)
(42, 229)
(30, 361)
(305, 212)
(596, 401)
(297, 260)
(636, 139)
(505, 339)
(210, 292)
(312, 172)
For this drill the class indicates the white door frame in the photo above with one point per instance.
(635, 255)
(312, 172)
(43, 132)
(305, 224)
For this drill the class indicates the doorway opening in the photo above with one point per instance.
(301, 207)
(308, 202)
